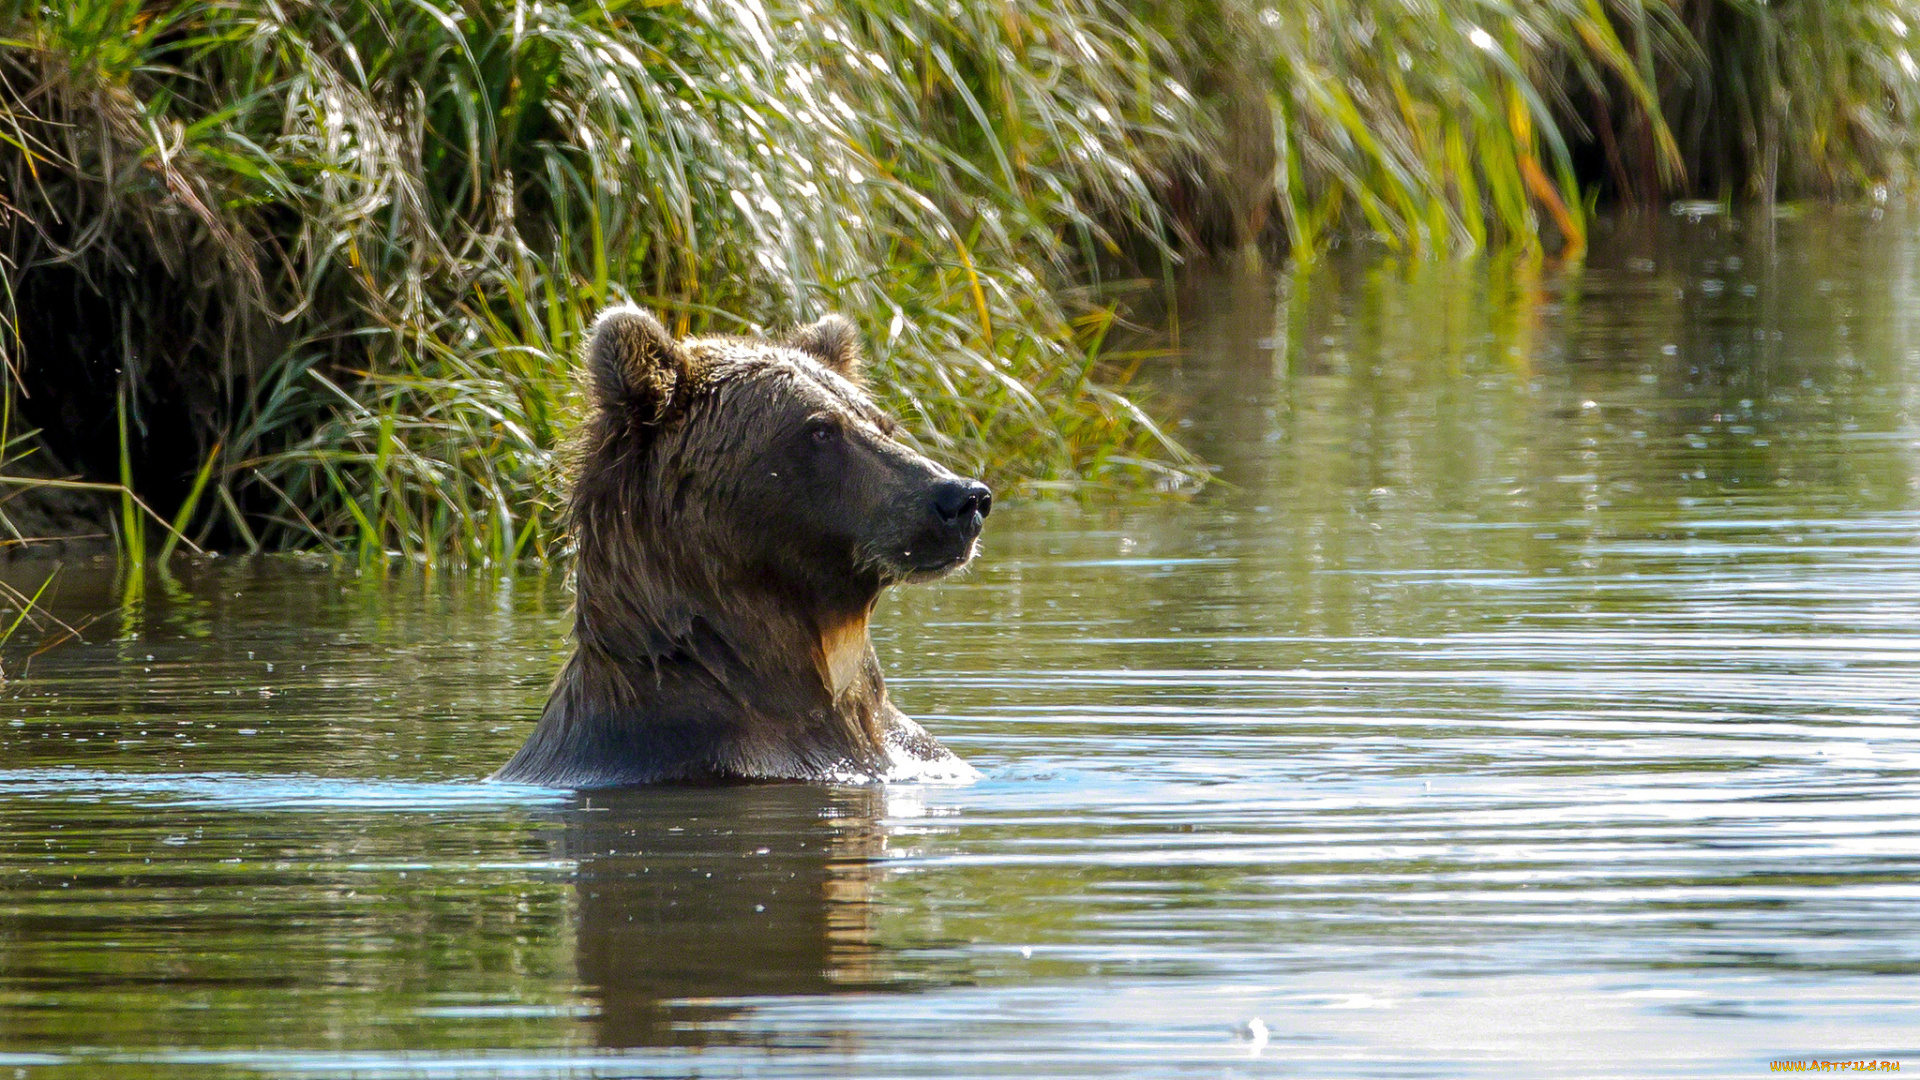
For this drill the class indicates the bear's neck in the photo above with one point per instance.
(757, 692)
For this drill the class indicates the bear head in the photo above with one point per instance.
(737, 508)
(724, 472)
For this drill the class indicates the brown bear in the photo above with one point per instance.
(737, 508)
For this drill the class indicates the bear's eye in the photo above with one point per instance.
(823, 429)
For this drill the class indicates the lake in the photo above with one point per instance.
(1535, 694)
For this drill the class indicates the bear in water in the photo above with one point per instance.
(737, 508)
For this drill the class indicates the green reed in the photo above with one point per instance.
(1437, 126)
(358, 243)
(387, 224)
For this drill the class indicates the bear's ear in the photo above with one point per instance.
(834, 342)
(633, 363)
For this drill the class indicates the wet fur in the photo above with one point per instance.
(720, 622)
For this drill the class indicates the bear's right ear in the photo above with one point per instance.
(633, 363)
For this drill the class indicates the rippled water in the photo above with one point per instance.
(1536, 696)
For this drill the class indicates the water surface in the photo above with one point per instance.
(1538, 686)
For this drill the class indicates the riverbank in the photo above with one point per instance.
(298, 277)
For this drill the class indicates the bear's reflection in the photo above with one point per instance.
(687, 895)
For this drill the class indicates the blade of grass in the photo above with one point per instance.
(176, 531)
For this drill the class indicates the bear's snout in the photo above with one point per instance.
(963, 504)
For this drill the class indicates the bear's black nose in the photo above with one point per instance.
(959, 500)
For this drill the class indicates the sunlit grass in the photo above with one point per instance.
(387, 224)
(1444, 126)
(334, 260)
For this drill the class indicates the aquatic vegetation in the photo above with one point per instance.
(1436, 126)
(345, 252)
(326, 265)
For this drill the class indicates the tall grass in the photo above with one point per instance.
(312, 275)
(1428, 125)
(361, 241)
(1799, 99)
(1441, 126)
